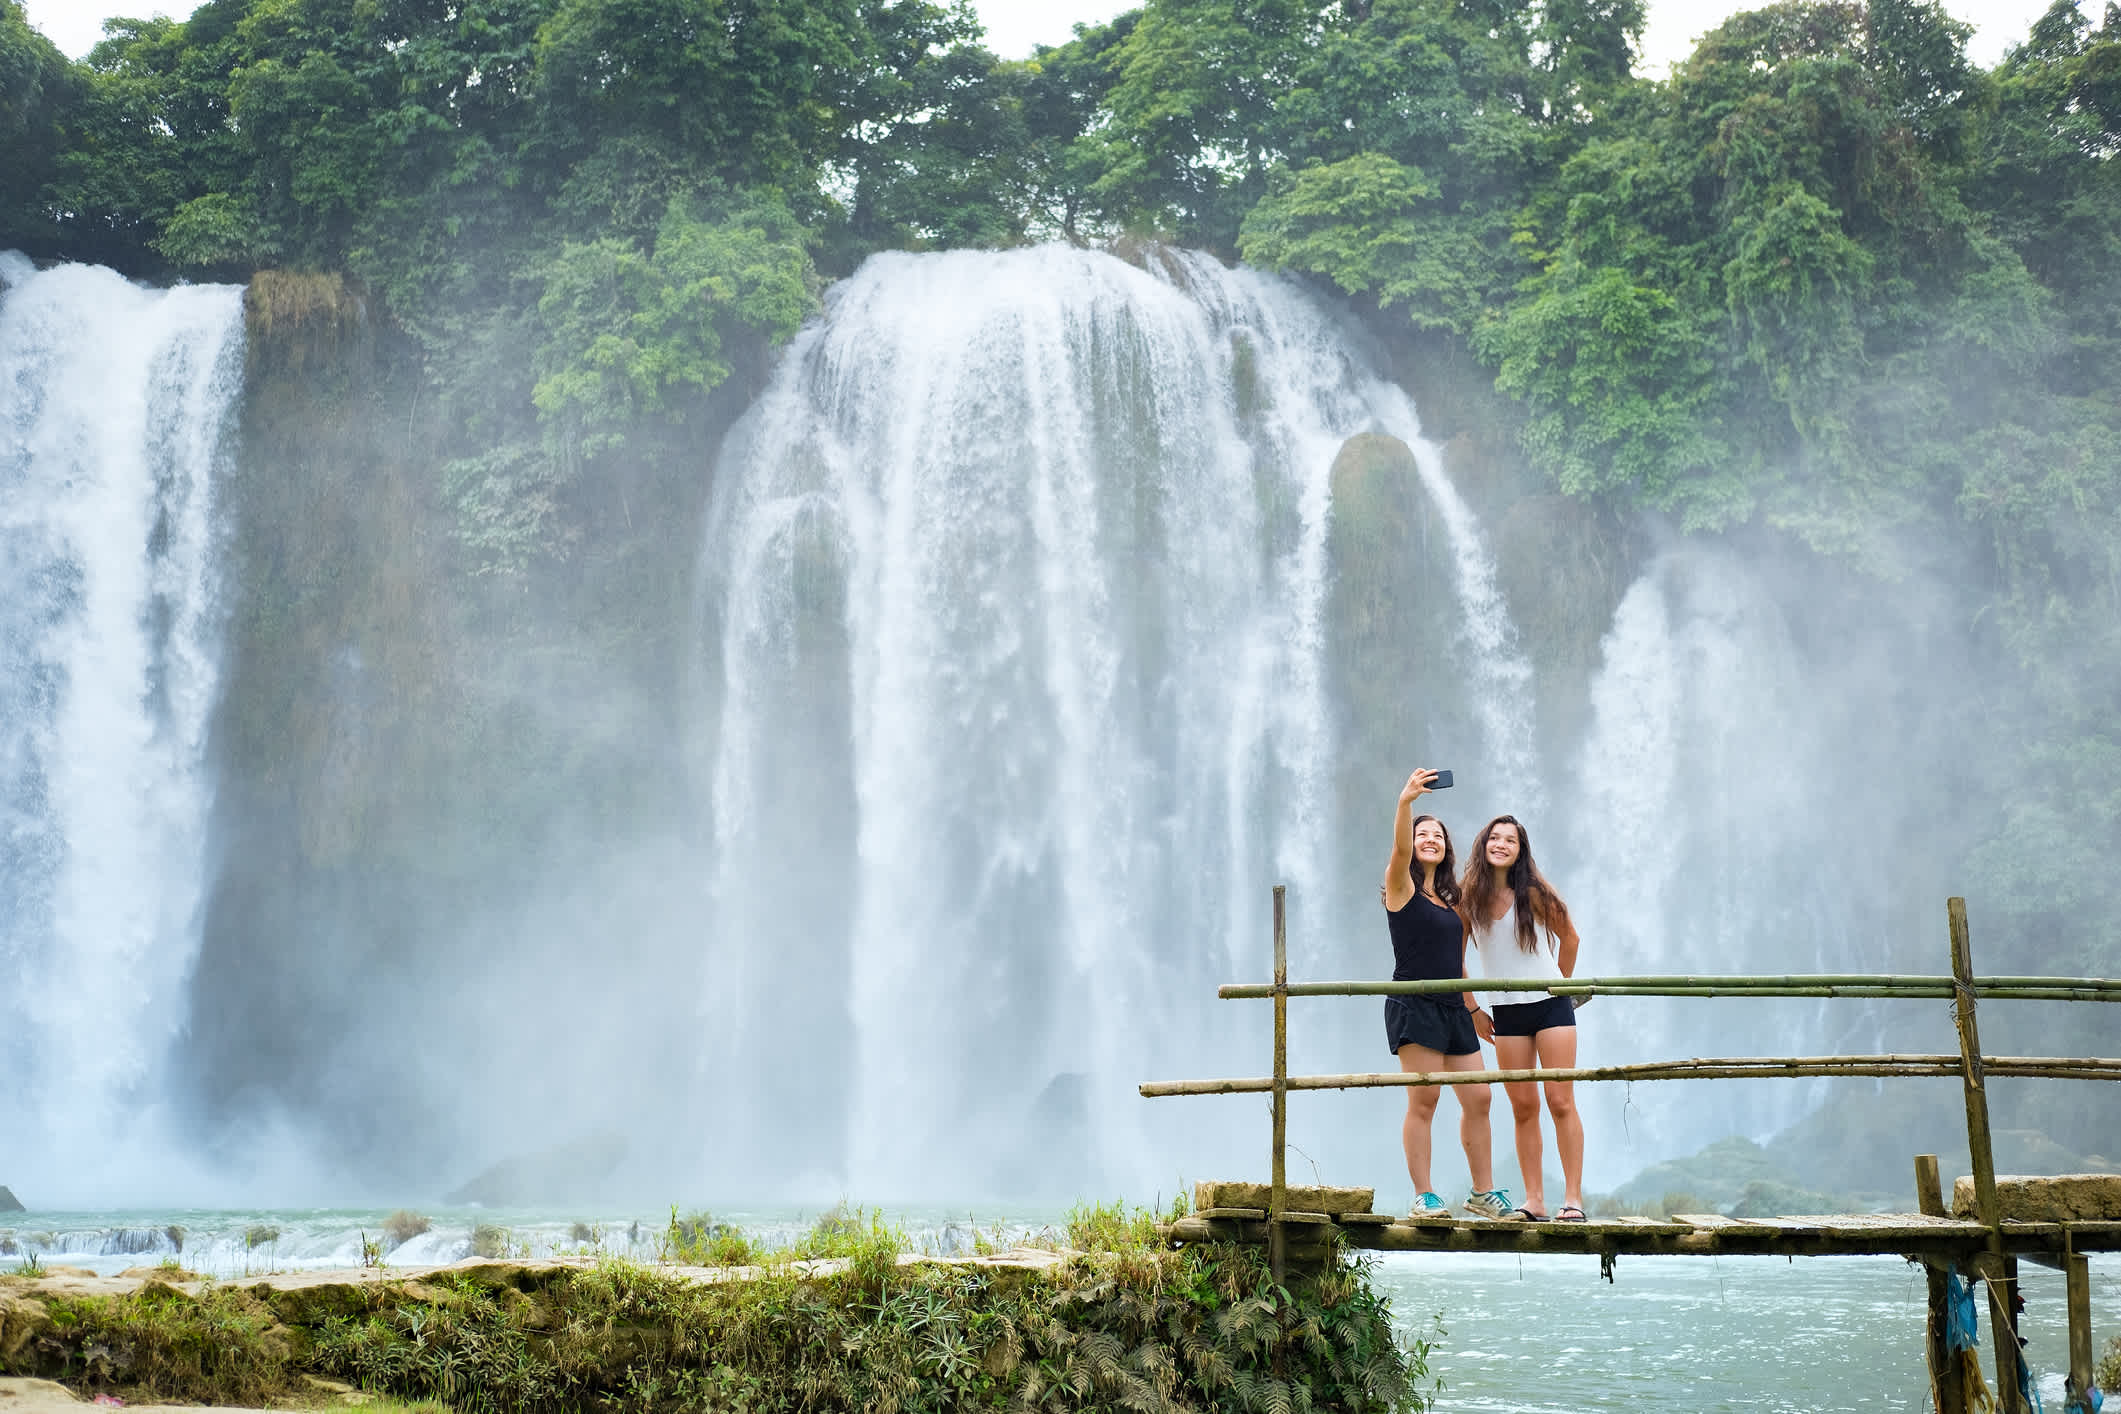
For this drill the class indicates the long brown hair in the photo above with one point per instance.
(1537, 905)
(1446, 867)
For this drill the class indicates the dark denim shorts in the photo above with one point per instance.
(1440, 1023)
(1531, 1018)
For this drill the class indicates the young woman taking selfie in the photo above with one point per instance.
(1521, 929)
(1435, 1031)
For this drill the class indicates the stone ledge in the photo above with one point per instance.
(2062, 1198)
(1211, 1193)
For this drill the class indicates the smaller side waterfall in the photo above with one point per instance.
(1717, 808)
(116, 405)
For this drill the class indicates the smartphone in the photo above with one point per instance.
(1442, 781)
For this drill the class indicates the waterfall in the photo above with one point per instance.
(1014, 706)
(1712, 825)
(114, 406)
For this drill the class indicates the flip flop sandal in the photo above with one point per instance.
(1526, 1215)
(1569, 1213)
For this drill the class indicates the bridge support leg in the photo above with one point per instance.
(2077, 1272)
(2003, 1321)
(1278, 1195)
(2000, 1269)
(1946, 1386)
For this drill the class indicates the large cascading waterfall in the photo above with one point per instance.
(114, 405)
(1015, 704)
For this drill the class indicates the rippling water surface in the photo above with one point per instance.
(1544, 1333)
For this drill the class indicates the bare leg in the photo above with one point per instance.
(1516, 1053)
(1473, 1124)
(1421, 1113)
(1556, 1048)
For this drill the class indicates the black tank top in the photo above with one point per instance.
(1427, 942)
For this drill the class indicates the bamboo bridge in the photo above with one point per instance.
(1990, 1224)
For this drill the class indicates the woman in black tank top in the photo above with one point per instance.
(1433, 1032)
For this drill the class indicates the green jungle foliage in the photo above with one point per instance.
(1132, 1326)
(1829, 280)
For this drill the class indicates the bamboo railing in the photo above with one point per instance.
(1698, 1068)
(1961, 987)
(1860, 984)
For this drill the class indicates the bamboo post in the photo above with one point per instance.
(2003, 1305)
(1981, 1155)
(2077, 1275)
(1278, 1198)
(1946, 1386)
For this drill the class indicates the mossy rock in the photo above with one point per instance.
(295, 318)
(278, 303)
(312, 1304)
(23, 1318)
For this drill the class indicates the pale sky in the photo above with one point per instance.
(1014, 26)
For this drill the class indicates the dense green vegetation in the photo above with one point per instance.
(1118, 1321)
(1829, 281)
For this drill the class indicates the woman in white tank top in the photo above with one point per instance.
(1521, 930)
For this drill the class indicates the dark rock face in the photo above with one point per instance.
(417, 769)
(9, 1203)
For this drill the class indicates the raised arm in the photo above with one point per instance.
(1399, 881)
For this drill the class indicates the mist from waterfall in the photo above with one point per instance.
(1014, 708)
(1742, 802)
(114, 406)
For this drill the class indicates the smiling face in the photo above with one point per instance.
(1503, 845)
(1430, 842)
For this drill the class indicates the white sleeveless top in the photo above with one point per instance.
(1495, 944)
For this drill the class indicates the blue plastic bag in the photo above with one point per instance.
(1962, 1328)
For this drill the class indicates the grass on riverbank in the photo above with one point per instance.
(1119, 1321)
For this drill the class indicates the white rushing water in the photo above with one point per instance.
(1708, 818)
(1016, 705)
(114, 407)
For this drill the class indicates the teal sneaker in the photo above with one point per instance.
(1493, 1203)
(1428, 1205)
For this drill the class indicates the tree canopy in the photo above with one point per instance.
(1829, 278)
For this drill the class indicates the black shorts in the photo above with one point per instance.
(1440, 1023)
(1531, 1018)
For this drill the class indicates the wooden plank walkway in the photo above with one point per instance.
(1688, 1235)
